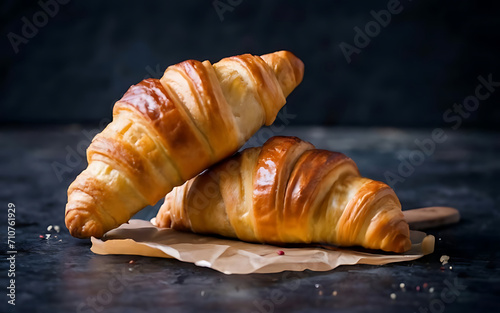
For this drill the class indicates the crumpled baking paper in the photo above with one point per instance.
(228, 256)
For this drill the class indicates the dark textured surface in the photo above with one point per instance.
(62, 275)
(85, 57)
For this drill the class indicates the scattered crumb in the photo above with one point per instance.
(334, 293)
(47, 236)
(53, 227)
(130, 269)
(444, 259)
(202, 293)
(402, 285)
(280, 252)
(393, 296)
(131, 262)
(451, 267)
(431, 290)
(320, 292)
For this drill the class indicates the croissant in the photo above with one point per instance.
(166, 131)
(289, 192)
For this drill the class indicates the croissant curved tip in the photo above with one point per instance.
(288, 69)
(297, 64)
(163, 219)
(80, 226)
(398, 240)
(399, 244)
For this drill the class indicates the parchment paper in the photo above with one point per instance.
(140, 237)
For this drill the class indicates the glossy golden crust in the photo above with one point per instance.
(196, 87)
(167, 131)
(288, 192)
(273, 169)
(288, 69)
(271, 98)
(312, 177)
(184, 143)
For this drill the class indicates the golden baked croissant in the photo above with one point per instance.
(289, 192)
(166, 131)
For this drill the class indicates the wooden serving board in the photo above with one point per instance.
(430, 217)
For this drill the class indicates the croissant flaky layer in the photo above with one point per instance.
(289, 192)
(166, 131)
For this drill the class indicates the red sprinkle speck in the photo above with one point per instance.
(442, 268)
(280, 252)
(41, 237)
(417, 288)
(426, 285)
(131, 262)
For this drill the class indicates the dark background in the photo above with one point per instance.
(64, 81)
(86, 56)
